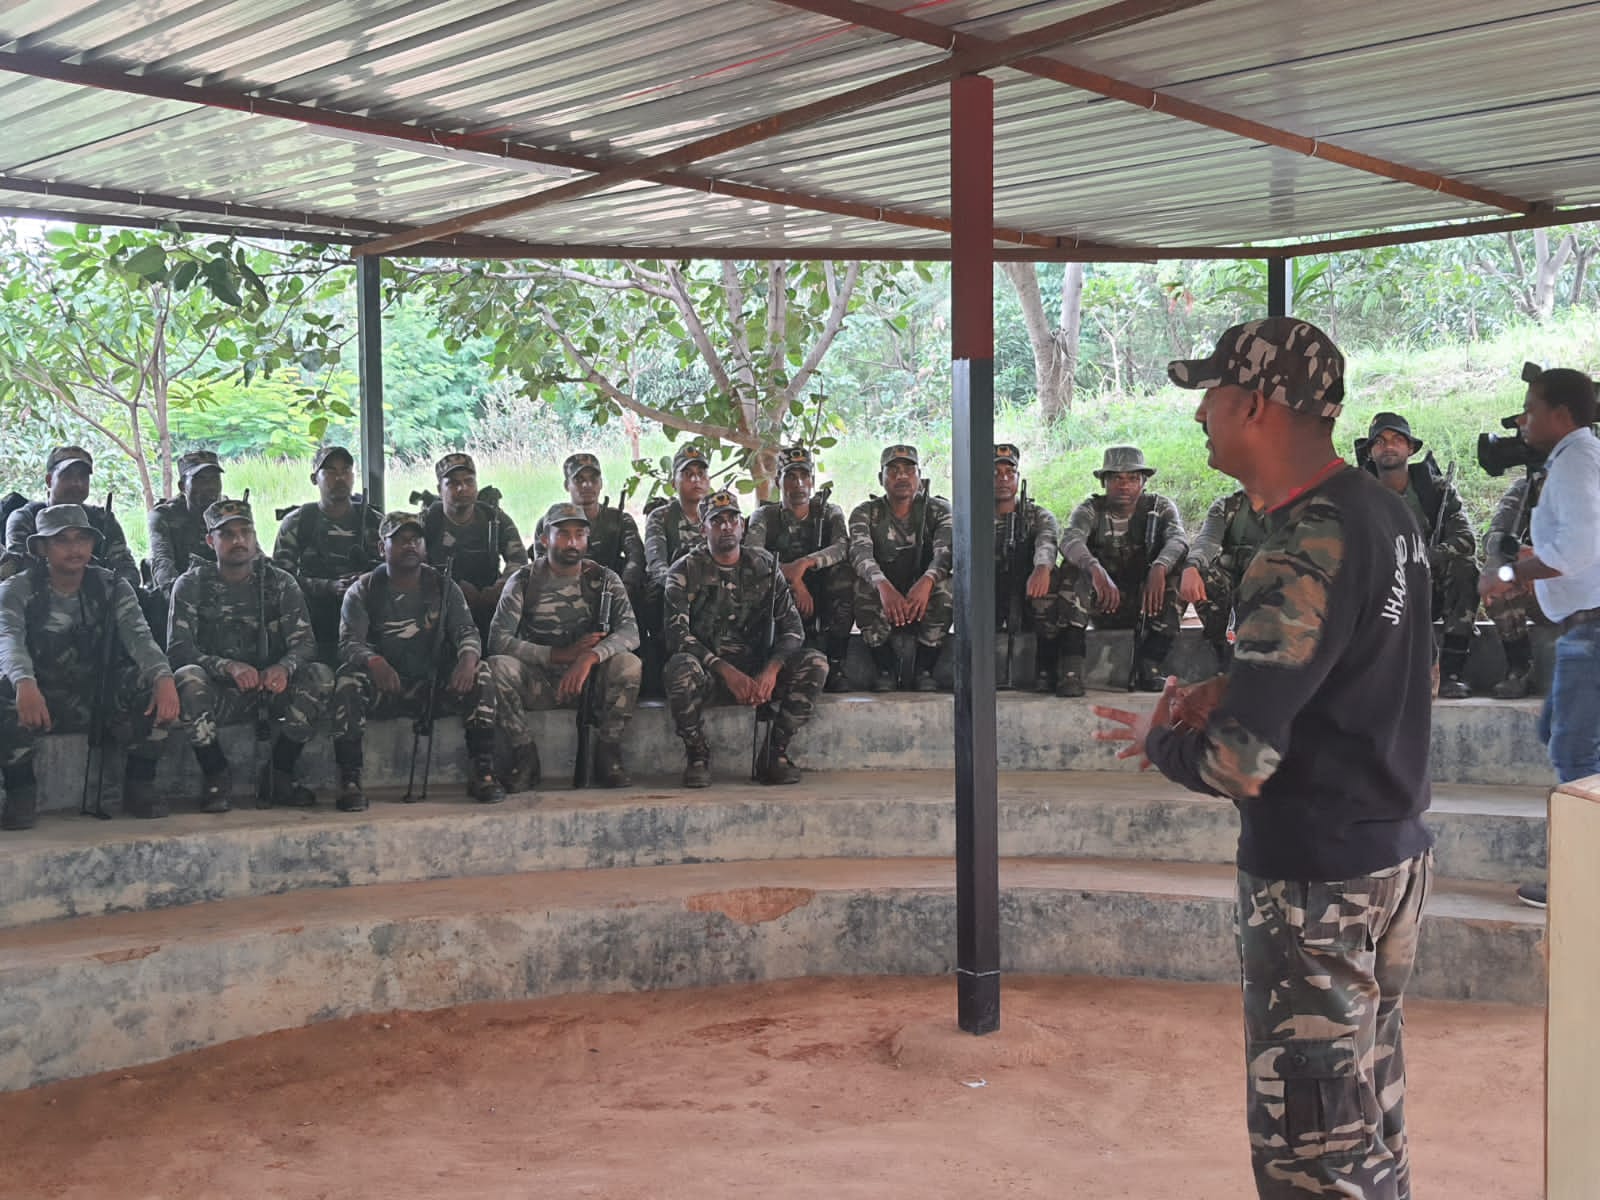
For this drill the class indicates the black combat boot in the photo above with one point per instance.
(21, 808)
(1069, 675)
(1519, 671)
(139, 796)
(888, 664)
(276, 785)
(697, 762)
(1453, 668)
(1152, 654)
(608, 768)
(483, 786)
(927, 658)
(837, 648)
(347, 754)
(216, 785)
(1046, 651)
(523, 771)
(773, 766)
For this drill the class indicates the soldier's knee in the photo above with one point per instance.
(505, 670)
(624, 669)
(315, 679)
(683, 670)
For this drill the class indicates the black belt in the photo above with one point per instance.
(1584, 616)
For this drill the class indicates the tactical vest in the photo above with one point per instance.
(902, 569)
(481, 568)
(377, 586)
(310, 531)
(813, 532)
(605, 539)
(73, 655)
(709, 623)
(1118, 552)
(265, 606)
(1242, 533)
(1015, 540)
(591, 585)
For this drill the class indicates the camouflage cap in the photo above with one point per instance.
(195, 461)
(394, 522)
(453, 462)
(1005, 452)
(65, 456)
(1121, 459)
(579, 462)
(899, 453)
(795, 458)
(720, 501)
(1289, 361)
(324, 453)
(58, 518)
(220, 513)
(560, 514)
(688, 454)
(1394, 421)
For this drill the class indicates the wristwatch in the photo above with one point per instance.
(1506, 574)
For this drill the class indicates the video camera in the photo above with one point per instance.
(1499, 453)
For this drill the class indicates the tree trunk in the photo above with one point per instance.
(1055, 349)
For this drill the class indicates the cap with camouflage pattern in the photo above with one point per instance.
(794, 458)
(222, 511)
(453, 462)
(1005, 452)
(65, 456)
(720, 501)
(1119, 460)
(688, 454)
(324, 453)
(195, 461)
(394, 522)
(579, 462)
(561, 513)
(899, 453)
(57, 518)
(1289, 361)
(1394, 421)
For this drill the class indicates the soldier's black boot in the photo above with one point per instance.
(347, 754)
(1152, 654)
(608, 768)
(1453, 668)
(522, 771)
(1046, 651)
(139, 796)
(927, 657)
(888, 664)
(276, 785)
(1069, 675)
(216, 786)
(773, 765)
(1519, 671)
(836, 650)
(21, 808)
(483, 786)
(697, 762)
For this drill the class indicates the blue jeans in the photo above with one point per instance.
(1570, 722)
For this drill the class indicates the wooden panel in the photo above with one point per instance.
(1572, 1053)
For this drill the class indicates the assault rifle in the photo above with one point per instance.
(1008, 579)
(1444, 503)
(263, 697)
(1141, 626)
(818, 516)
(97, 709)
(766, 714)
(423, 725)
(589, 714)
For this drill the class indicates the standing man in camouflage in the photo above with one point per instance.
(386, 639)
(614, 540)
(807, 533)
(737, 637)
(61, 620)
(1512, 609)
(670, 531)
(178, 527)
(214, 640)
(68, 473)
(1319, 734)
(327, 544)
(1026, 546)
(1218, 558)
(476, 535)
(1452, 546)
(901, 546)
(1116, 571)
(547, 644)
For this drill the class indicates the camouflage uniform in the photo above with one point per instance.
(540, 611)
(113, 554)
(1221, 552)
(669, 534)
(177, 530)
(468, 544)
(1027, 537)
(724, 614)
(325, 554)
(1514, 611)
(614, 540)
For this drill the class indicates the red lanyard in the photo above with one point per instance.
(1326, 473)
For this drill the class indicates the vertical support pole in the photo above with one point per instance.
(369, 335)
(972, 459)
(1277, 287)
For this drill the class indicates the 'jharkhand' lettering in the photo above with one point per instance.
(1395, 607)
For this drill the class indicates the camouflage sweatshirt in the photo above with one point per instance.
(467, 544)
(774, 528)
(669, 534)
(213, 622)
(320, 551)
(177, 539)
(113, 554)
(715, 612)
(404, 631)
(64, 646)
(614, 543)
(1231, 527)
(1038, 528)
(564, 609)
(885, 547)
(1511, 520)
(1094, 535)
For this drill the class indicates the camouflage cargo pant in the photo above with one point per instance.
(356, 698)
(930, 631)
(71, 712)
(209, 704)
(521, 689)
(1512, 614)
(690, 688)
(1078, 608)
(833, 594)
(1455, 595)
(1216, 610)
(1011, 601)
(1325, 967)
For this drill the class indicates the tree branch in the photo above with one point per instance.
(836, 316)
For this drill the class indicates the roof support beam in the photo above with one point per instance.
(964, 62)
(932, 34)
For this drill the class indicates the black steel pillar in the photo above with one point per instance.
(972, 465)
(1278, 287)
(369, 335)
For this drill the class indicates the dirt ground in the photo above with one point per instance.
(839, 1088)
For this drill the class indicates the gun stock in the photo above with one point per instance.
(269, 792)
(1141, 625)
(589, 709)
(423, 725)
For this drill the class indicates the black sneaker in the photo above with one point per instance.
(1532, 894)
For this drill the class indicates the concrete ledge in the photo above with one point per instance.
(72, 867)
(102, 993)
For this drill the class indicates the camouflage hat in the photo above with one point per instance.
(394, 522)
(560, 514)
(899, 453)
(65, 456)
(324, 453)
(688, 454)
(579, 462)
(720, 501)
(1394, 421)
(1121, 459)
(58, 518)
(1005, 452)
(195, 461)
(1287, 360)
(795, 458)
(453, 462)
(219, 514)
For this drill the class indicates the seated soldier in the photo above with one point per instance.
(736, 636)
(1452, 546)
(549, 642)
(671, 530)
(808, 535)
(1121, 550)
(1512, 610)
(1026, 541)
(614, 540)
(401, 634)
(74, 647)
(67, 475)
(178, 527)
(240, 638)
(474, 534)
(327, 544)
(900, 548)
(1217, 560)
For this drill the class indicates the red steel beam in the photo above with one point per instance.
(932, 34)
(965, 62)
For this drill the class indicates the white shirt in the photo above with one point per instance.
(1566, 526)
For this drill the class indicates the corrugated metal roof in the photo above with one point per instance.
(1484, 92)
